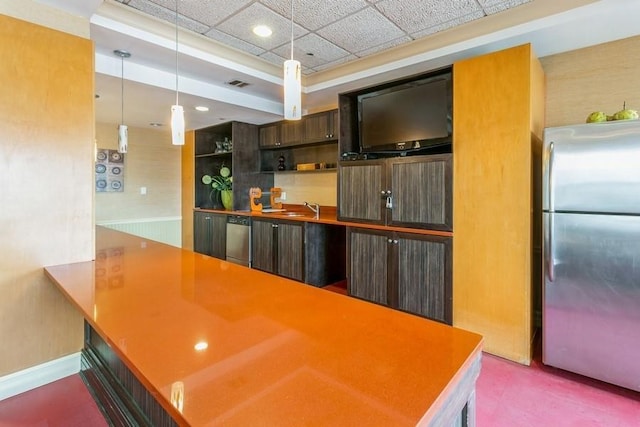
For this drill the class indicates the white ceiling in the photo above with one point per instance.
(354, 43)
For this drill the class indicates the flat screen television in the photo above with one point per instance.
(411, 116)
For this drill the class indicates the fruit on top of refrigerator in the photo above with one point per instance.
(596, 117)
(625, 114)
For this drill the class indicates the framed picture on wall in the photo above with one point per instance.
(109, 171)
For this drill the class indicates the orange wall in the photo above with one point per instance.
(46, 171)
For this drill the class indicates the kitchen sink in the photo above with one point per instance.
(292, 214)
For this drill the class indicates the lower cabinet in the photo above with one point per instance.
(405, 271)
(308, 252)
(278, 247)
(210, 234)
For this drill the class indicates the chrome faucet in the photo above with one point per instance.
(315, 208)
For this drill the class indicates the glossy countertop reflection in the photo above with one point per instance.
(271, 351)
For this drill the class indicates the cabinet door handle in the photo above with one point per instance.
(274, 225)
(389, 241)
(388, 192)
(207, 218)
(383, 192)
(395, 242)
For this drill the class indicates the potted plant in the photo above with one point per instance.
(222, 184)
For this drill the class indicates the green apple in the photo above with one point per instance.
(596, 117)
(625, 114)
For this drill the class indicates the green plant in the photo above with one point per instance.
(221, 182)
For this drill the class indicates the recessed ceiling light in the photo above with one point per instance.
(262, 31)
(202, 108)
(155, 125)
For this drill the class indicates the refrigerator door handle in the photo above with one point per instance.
(548, 248)
(550, 188)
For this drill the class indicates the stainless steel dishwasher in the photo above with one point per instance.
(239, 239)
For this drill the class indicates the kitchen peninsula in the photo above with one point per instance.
(209, 342)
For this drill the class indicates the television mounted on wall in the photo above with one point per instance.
(411, 116)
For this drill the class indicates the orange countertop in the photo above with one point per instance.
(328, 215)
(279, 352)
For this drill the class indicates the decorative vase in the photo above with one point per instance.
(227, 199)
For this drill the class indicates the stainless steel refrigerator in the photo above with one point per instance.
(591, 251)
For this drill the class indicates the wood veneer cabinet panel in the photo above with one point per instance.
(187, 189)
(498, 115)
(290, 250)
(368, 261)
(421, 189)
(360, 186)
(262, 252)
(210, 233)
(424, 276)
(291, 132)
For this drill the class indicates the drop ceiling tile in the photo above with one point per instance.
(384, 46)
(208, 12)
(494, 6)
(314, 14)
(163, 13)
(322, 50)
(416, 15)
(241, 24)
(449, 24)
(360, 31)
(337, 62)
(234, 42)
(273, 58)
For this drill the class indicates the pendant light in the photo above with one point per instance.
(123, 131)
(177, 112)
(292, 84)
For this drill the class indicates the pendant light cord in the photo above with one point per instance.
(122, 89)
(177, 103)
(291, 29)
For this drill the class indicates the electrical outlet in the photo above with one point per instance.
(143, 190)
(283, 195)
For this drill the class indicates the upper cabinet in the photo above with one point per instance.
(321, 127)
(291, 132)
(314, 128)
(270, 136)
(313, 140)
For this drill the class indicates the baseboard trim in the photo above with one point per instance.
(39, 375)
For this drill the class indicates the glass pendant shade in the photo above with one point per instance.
(177, 125)
(292, 90)
(123, 138)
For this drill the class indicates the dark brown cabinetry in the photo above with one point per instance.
(234, 145)
(210, 234)
(406, 192)
(313, 139)
(321, 127)
(278, 247)
(291, 132)
(309, 252)
(270, 136)
(410, 272)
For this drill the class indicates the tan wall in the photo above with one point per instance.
(597, 78)
(46, 214)
(151, 162)
(320, 187)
